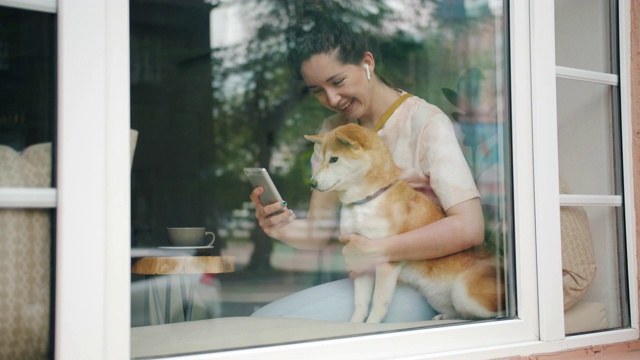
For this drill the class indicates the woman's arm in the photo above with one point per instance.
(462, 229)
(311, 233)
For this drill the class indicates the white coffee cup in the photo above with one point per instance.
(189, 236)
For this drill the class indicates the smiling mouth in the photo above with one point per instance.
(346, 105)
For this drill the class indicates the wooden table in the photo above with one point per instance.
(183, 266)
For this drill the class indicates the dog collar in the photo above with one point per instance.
(375, 195)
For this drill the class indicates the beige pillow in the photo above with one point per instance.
(25, 263)
(578, 258)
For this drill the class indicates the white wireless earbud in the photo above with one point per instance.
(366, 68)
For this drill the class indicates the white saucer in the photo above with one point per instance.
(185, 247)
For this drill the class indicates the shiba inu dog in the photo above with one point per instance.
(358, 165)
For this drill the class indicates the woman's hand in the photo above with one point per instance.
(270, 222)
(361, 254)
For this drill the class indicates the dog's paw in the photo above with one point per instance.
(445, 317)
(359, 317)
(373, 319)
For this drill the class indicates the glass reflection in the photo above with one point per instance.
(212, 93)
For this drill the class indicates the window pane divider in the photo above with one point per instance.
(30, 198)
(590, 200)
(586, 75)
(545, 167)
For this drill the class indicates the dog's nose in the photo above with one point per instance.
(313, 184)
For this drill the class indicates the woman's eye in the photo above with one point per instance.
(338, 82)
(333, 159)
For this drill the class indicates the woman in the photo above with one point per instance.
(339, 68)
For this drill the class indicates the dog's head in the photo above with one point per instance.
(353, 158)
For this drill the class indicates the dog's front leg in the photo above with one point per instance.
(362, 288)
(385, 284)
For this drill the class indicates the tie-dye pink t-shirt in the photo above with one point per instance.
(423, 142)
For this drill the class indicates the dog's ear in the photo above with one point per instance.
(348, 141)
(351, 135)
(318, 139)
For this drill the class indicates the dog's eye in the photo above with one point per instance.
(333, 159)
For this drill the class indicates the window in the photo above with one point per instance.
(27, 192)
(590, 160)
(211, 101)
(94, 46)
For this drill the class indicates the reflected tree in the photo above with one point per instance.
(260, 112)
(257, 98)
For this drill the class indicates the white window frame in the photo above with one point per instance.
(93, 263)
(92, 287)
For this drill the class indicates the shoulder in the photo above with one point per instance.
(333, 122)
(421, 115)
(423, 108)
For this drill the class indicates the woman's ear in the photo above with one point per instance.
(369, 60)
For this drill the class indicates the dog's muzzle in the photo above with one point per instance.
(313, 184)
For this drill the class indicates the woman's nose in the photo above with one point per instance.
(333, 98)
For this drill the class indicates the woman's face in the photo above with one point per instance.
(339, 87)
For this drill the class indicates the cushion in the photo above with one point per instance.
(578, 258)
(584, 317)
(133, 141)
(29, 168)
(25, 258)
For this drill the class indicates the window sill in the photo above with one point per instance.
(233, 333)
(246, 332)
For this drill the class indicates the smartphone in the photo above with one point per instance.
(260, 177)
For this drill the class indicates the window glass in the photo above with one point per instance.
(590, 152)
(590, 158)
(27, 124)
(27, 75)
(592, 16)
(609, 286)
(596, 297)
(212, 93)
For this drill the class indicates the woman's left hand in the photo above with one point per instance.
(360, 253)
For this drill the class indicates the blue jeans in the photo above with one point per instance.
(333, 301)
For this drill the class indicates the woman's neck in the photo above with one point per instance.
(382, 97)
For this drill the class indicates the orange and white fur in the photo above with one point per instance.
(358, 165)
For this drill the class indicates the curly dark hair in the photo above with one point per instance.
(319, 32)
